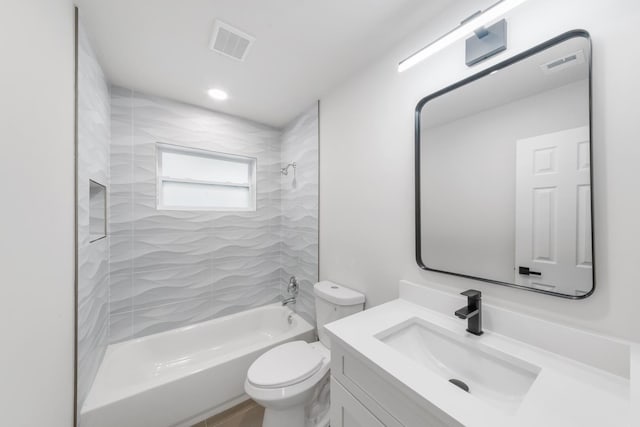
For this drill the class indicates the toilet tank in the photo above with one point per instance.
(334, 302)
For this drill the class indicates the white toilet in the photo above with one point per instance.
(291, 381)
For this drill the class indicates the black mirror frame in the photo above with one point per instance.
(536, 49)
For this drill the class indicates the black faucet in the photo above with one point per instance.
(472, 312)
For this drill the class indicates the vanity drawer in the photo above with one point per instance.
(387, 401)
(346, 411)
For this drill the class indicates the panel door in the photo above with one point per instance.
(346, 411)
(553, 212)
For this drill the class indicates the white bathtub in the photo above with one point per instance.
(182, 376)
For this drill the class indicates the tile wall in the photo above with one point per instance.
(300, 207)
(174, 268)
(93, 257)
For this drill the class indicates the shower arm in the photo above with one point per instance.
(285, 170)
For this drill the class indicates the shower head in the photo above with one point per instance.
(285, 170)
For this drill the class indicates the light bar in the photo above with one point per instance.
(465, 28)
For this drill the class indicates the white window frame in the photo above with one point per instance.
(162, 147)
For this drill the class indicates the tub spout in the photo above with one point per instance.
(288, 301)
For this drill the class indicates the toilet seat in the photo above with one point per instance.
(285, 406)
(288, 364)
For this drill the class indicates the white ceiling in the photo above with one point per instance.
(303, 48)
(518, 81)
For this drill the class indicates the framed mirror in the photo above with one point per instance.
(503, 172)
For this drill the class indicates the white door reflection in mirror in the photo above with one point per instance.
(553, 212)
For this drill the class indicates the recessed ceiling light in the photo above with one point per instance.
(218, 94)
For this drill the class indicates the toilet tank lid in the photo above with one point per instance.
(337, 294)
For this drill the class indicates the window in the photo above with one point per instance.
(192, 179)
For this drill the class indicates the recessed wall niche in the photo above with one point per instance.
(97, 211)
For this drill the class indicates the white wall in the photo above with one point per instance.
(37, 188)
(366, 163)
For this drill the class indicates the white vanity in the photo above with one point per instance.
(391, 366)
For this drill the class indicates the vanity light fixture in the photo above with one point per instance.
(474, 23)
(218, 94)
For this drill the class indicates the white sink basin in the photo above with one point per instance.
(496, 378)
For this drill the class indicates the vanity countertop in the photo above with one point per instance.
(566, 392)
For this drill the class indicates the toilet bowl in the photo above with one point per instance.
(285, 379)
(291, 380)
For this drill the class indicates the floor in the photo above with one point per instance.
(246, 414)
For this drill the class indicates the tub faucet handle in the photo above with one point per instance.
(292, 287)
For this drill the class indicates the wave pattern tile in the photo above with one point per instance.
(299, 206)
(173, 268)
(93, 258)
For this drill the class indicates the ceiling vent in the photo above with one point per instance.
(230, 41)
(564, 62)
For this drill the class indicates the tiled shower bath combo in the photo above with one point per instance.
(170, 268)
(158, 270)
